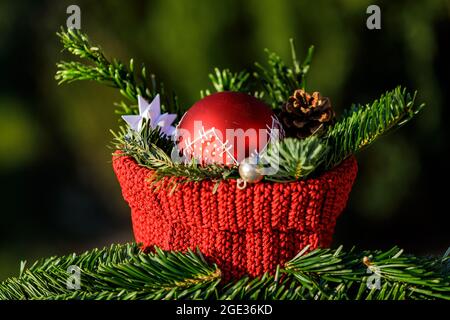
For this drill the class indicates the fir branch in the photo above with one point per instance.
(116, 253)
(123, 272)
(402, 276)
(148, 147)
(152, 150)
(294, 159)
(225, 80)
(362, 125)
(116, 74)
(280, 81)
(159, 275)
(43, 278)
(195, 172)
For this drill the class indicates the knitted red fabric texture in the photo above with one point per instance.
(247, 231)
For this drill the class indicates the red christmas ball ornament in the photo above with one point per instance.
(225, 128)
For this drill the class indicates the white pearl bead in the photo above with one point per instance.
(249, 171)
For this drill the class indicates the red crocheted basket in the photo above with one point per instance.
(247, 231)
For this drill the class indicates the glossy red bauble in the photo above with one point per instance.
(226, 127)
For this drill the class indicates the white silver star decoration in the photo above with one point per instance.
(152, 113)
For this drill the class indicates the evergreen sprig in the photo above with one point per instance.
(279, 80)
(123, 272)
(293, 159)
(225, 80)
(116, 74)
(360, 126)
(148, 147)
(128, 273)
(153, 151)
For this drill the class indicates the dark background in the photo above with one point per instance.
(58, 191)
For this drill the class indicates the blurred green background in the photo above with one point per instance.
(58, 190)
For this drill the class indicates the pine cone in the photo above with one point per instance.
(304, 114)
